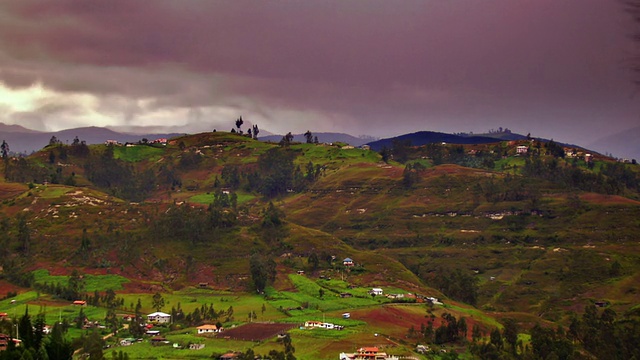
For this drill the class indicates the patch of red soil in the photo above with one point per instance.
(393, 318)
(6, 287)
(397, 320)
(608, 199)
(256, 331)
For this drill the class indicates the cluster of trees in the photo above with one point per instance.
(118, 177)
(595, 334)
(411, 174)
(252, 132)
(196, 224)
(605, 334)
(263, 271)
(22, 170)
(508, 188)
(613, 178)
(286, 354)
(456, 284)
(204, 314)
(274, 175)
(450, 330)
(74, 290)
(402, 152)
(34, 343)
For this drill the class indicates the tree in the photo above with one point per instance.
(76, 285)
(309, 137)
(92, 344)
(111, 320)
(313, 261)
(259, 273)
(57, 346)
(136, 329)
(157, 301)
(510, 333)
(239, 123)
(24, 233)
(25, 329)
(4, 149)
(255, 132)
(286, 140)
(496, 338)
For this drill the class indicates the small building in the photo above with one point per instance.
(207, 329)
(153, 332)
(196, 346)
(4, 341)
(229, 356)
(346, 295)
(127, 341)
(346, 315)
(300, 272)
(376, 291)
(80, 303)
(159, 340)
(372, 353)
(159, 318)
(347, 262)
(522, 149)
(313, 324)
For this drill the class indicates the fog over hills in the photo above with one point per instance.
(624, 144)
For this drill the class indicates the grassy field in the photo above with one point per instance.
(207, 198)
(91, 282)
(138, 153)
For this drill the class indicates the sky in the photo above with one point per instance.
(555, 69)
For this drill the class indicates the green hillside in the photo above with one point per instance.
(500, 236)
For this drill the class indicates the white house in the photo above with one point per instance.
(522, 149)
(375, 291)
(207, 329)
(159, 317)
(312, 323)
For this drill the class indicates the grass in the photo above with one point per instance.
(138, 153)
(92, 282)
(207, 198)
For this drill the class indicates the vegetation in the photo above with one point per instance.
(217, 228)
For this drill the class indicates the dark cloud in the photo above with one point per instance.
(553, 68)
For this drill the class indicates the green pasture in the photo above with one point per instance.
(207, 198)
(138, 153)
(92, 282)
(191, 299)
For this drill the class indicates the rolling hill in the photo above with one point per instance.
(494, 232)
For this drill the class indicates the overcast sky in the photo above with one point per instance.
(554, 68)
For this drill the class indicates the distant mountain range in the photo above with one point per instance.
(625, 144)
(23, 140)
(429, 137)
(323, 137)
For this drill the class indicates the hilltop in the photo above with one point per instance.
(523, 229)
